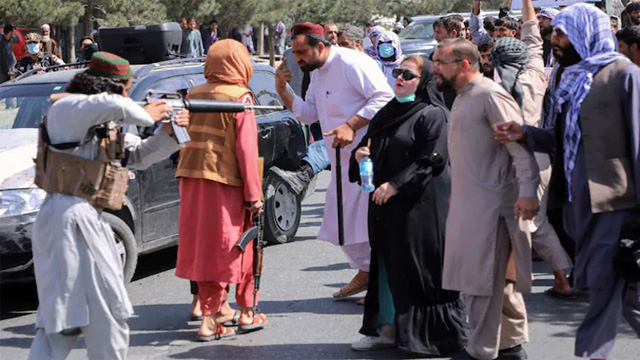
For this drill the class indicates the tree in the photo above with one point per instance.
(133, 12)
(201, 9)
(235, 13)
(34, 13)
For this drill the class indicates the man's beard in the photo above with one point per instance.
(308, 67)
(569, 55)
(546, 31)
(46, 38)
(488, 72)
(634, 21)
(446, 84)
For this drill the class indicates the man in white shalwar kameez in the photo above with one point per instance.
(78, 271)
(346, 90)
(246, 38)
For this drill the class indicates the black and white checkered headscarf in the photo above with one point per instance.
(510, 58)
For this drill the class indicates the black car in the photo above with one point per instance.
(149, 220)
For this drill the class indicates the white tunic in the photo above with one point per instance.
(246, 36)
(73, 247)
(349, 83)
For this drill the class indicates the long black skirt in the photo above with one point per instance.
(410, 235)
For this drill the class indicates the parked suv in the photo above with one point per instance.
(149, 220)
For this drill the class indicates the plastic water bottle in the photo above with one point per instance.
(366, 174)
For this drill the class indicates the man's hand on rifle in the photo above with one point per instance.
(255, 206)
(159, 110)
(182, 119)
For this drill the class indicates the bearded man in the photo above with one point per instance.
(596, 172)
(491, 187)
(347, 88)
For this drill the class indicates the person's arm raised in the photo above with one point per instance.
(528, 12)
(505, 8)
(283, 76)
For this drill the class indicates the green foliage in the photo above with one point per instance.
(235, 13)
(132, 12)
(34, 13)
(316, 11)
(202, 10)
(357, 12)
(228, 12)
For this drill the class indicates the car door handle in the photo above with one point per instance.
(265, 132)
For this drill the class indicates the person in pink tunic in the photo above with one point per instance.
(219, 188)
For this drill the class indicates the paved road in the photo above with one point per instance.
(305, 323)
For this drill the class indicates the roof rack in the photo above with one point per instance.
(150, 67)
(47, 68)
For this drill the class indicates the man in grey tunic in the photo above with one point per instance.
(593, 129)
(493, 195)
(78, 271)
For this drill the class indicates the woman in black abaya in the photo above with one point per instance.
(405, 304)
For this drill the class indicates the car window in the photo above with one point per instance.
(417, 30)
(198, 79)
(24, 106)
(15, 39)
(175, 83)
(263, 85)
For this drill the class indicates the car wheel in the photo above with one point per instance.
(125, 245)
(282, 210)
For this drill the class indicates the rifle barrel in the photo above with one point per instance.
(219, 106)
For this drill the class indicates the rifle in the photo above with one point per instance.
(178, 102)
(254, 233)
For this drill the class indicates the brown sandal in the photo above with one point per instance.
(357, 285)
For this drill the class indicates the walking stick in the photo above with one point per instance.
(339, 196)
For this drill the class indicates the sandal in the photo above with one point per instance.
(259, 321)
(558, 295)
(221, 332)
(233, 321)
(357, 285)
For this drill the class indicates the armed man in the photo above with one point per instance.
(81, 151)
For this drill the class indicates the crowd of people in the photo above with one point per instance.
(196, 42)
(470, 175)
(479, 155)
(43, 51)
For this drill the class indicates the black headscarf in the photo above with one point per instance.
(395, 113)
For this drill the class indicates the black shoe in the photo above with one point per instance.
(463, 355)
(297, 180)
(514, 353)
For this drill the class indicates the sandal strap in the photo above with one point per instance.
(260, 317)
(355, 286)
(223, 330)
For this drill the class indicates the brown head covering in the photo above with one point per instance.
(228, 62)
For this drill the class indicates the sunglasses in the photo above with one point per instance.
(406, 74)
